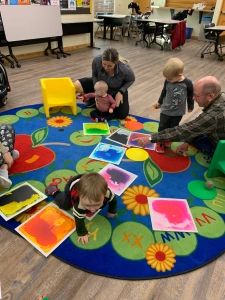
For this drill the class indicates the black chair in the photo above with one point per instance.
(4, 43)
(112, 24)
(146, 32)
(100, 24)
(133, 30)
(121, 30)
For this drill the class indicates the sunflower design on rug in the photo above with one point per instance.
(136, 198)
(59, 121)
(160, 257)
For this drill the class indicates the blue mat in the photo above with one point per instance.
(125, 247)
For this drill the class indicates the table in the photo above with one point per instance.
(111, 21)
(157, 29)
(218, 30)
(79, 27)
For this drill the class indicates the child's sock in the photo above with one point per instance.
(51, 189)
(5, 182)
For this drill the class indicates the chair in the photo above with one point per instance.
(122, 28)
(217, 165)
(100, 27)
(58, 92)
(100, 24)
(115, 25)
(210, 38)
(133, 30)
(146, 32)
(4, 43)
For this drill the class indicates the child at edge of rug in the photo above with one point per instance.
(105, 104)
(86, 194)
(7, 154)
(176, 92)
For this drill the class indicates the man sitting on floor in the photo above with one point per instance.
(207, 129)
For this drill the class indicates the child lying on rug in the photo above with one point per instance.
(104, 102)
(86, 194)
(7, 154)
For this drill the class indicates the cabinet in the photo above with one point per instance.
(144, 5)
(189, 4)
(221, 19)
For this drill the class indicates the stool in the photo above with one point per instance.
(58, 92)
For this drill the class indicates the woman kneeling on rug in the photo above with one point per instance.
(118, 75)
(7, 154)
(86, 194)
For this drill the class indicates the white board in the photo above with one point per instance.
(27, 22)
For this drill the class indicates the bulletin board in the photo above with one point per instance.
(76, 6)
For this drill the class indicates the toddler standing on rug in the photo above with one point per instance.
(176, 92)
(105, 104)
(7, 154)
(86, 194)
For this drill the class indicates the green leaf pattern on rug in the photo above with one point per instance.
(152, 172)
(39, 136)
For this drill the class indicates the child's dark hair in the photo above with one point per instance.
(92, 186)
(111, 54)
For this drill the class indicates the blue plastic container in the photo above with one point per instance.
(188, 32)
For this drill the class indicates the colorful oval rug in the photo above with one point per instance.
(125, 247)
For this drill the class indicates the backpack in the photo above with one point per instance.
(4, 85)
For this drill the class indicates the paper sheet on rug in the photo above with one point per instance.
(132, 142)
(117, 178)
(119, 136)
(168, 214)
(47, 229)
(96, 128)
(18, 199)
(108, 153)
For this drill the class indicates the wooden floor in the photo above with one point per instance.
(24, 273)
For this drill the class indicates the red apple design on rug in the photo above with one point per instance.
(158, 163)
(170, 161)
(33, 156)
